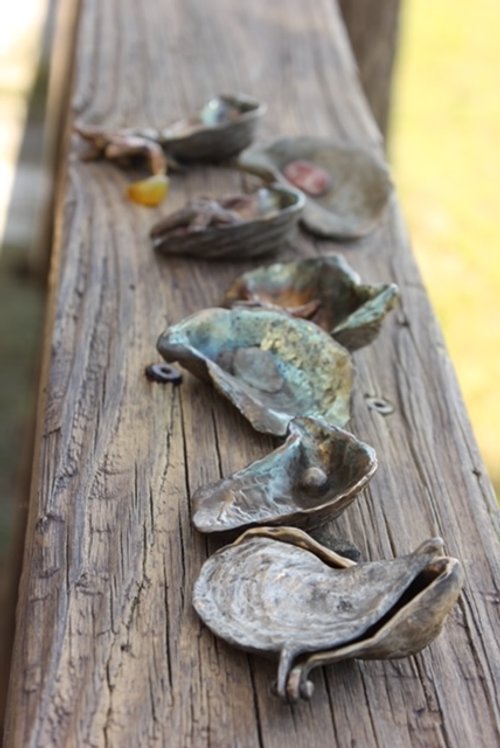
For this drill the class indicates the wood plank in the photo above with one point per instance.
(108, 648)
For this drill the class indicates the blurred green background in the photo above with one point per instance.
(445, 152)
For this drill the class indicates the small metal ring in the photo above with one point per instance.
(163, 373)
(380, 405)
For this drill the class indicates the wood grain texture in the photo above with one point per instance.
(109, 651)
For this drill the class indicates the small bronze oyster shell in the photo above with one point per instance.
(272, 367)
(325, 290)
(277, 592)
(236, 226)
(350, 204)
(223, 127)
(312, 477)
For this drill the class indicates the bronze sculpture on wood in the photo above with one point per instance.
(351, 204)
(272, 367)
(277, 592)
(224, 126)
(325, 290)
(311, 478)
(237, 227)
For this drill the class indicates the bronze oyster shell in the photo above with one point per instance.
(224, 126)
(272, 367)
(310, 478)
(277, 592)
(359, 187)
(234, 227)
(325, 290)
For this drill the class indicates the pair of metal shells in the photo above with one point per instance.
(222, 128)
(276, 592)
(356, 182)
(357, 190)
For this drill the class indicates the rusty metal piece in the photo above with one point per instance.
(354, 201)
(277, 592)
(325, 290)
(312, 477)
(272, 367)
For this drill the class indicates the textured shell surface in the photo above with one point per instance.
(279, 594)
(272, 367)
(359, 188)
(312, 477)
(323, 289)
(235, 227)
(223, 127)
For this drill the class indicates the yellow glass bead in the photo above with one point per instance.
(150, 191)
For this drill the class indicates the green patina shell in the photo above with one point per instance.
(323, 289)
(272, 367)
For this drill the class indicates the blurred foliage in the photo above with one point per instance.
(445, 151)
(20, 322)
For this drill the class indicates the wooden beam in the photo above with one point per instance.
(108, 648)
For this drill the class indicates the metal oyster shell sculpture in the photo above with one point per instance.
(323, 289)
(123, 146)
(354, 183)
(223, 127)
(309, 479)
(277, 592)
(272, 367)
(235, 227)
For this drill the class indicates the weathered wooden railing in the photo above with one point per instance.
(108, 648)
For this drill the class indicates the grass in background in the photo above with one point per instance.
(445, 149)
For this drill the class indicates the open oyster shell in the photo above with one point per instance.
(222, 128)
(272, 367)
(277, 592)
(353, 199)
(323, 289)
(312, 477)
(236, 226)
